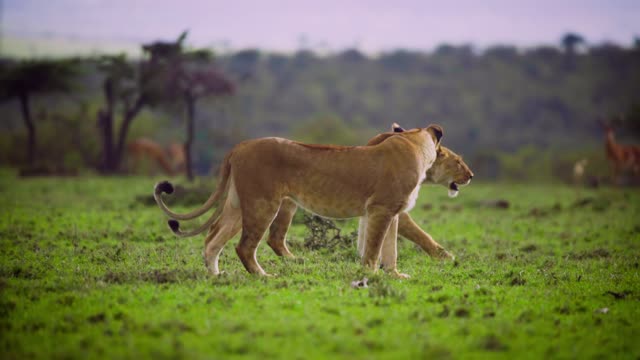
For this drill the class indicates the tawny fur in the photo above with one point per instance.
(332, 181)
(177, 157)
(448, 167)
(171, 161)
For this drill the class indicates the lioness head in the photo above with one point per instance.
(448, 170)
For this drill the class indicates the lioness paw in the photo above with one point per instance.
(445, 255)
(399, 275)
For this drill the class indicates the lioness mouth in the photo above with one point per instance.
(453, 189)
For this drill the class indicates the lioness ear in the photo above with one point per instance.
(437, 132)
(396, 128)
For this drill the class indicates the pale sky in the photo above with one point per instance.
(286, 25)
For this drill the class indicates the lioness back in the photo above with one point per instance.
(332, 181)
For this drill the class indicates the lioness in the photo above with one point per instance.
(377, 182)
(448, 170)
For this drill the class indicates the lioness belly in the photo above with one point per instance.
(331, 207)
(413, 197)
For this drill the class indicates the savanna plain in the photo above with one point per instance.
(89, 269)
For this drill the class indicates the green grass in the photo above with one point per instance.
(86, 271)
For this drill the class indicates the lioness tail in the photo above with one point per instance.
(166, 187)
(175, 226)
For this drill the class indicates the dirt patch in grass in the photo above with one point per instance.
(619, 295)
(489, 314)
(526, 317)
(545, 211)
(380, 290)
(155, 276)
(462, 313)
(27, 273)
(529, 248)
(176, 326)
(493, 343)
(516, 279)
(66, 300)
(445, 312)
(6, 307)
(496, 204)
(454, 208)
(97, 318)
(592, 254)
(596, 204)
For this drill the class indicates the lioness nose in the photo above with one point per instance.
(470, 177)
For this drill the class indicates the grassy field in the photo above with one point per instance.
(87, 271)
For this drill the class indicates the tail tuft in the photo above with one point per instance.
(164, 187)
(174, 225)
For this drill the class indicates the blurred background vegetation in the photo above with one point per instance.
(514, 114)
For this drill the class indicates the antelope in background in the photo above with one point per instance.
(171, 160)
(621, 157)
(578, 171)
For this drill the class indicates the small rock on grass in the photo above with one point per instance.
(360, 283)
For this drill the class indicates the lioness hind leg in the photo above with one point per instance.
(256, 218)
(280, 226)
(227, 226)
(378, 221)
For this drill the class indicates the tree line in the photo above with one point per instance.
(495, 103)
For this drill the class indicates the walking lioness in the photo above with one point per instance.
(377, 182)
(448, 170)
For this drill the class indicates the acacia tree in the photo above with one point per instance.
(198, 84)
(570, 41)
(25, 79)
(121, 92)
(127, 90)
(188, 75)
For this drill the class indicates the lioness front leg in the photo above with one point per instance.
(378, 220)
(410, 230)
(280, 226)
(389, 257)
(362, 235)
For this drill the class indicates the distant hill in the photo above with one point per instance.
(38, 46)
